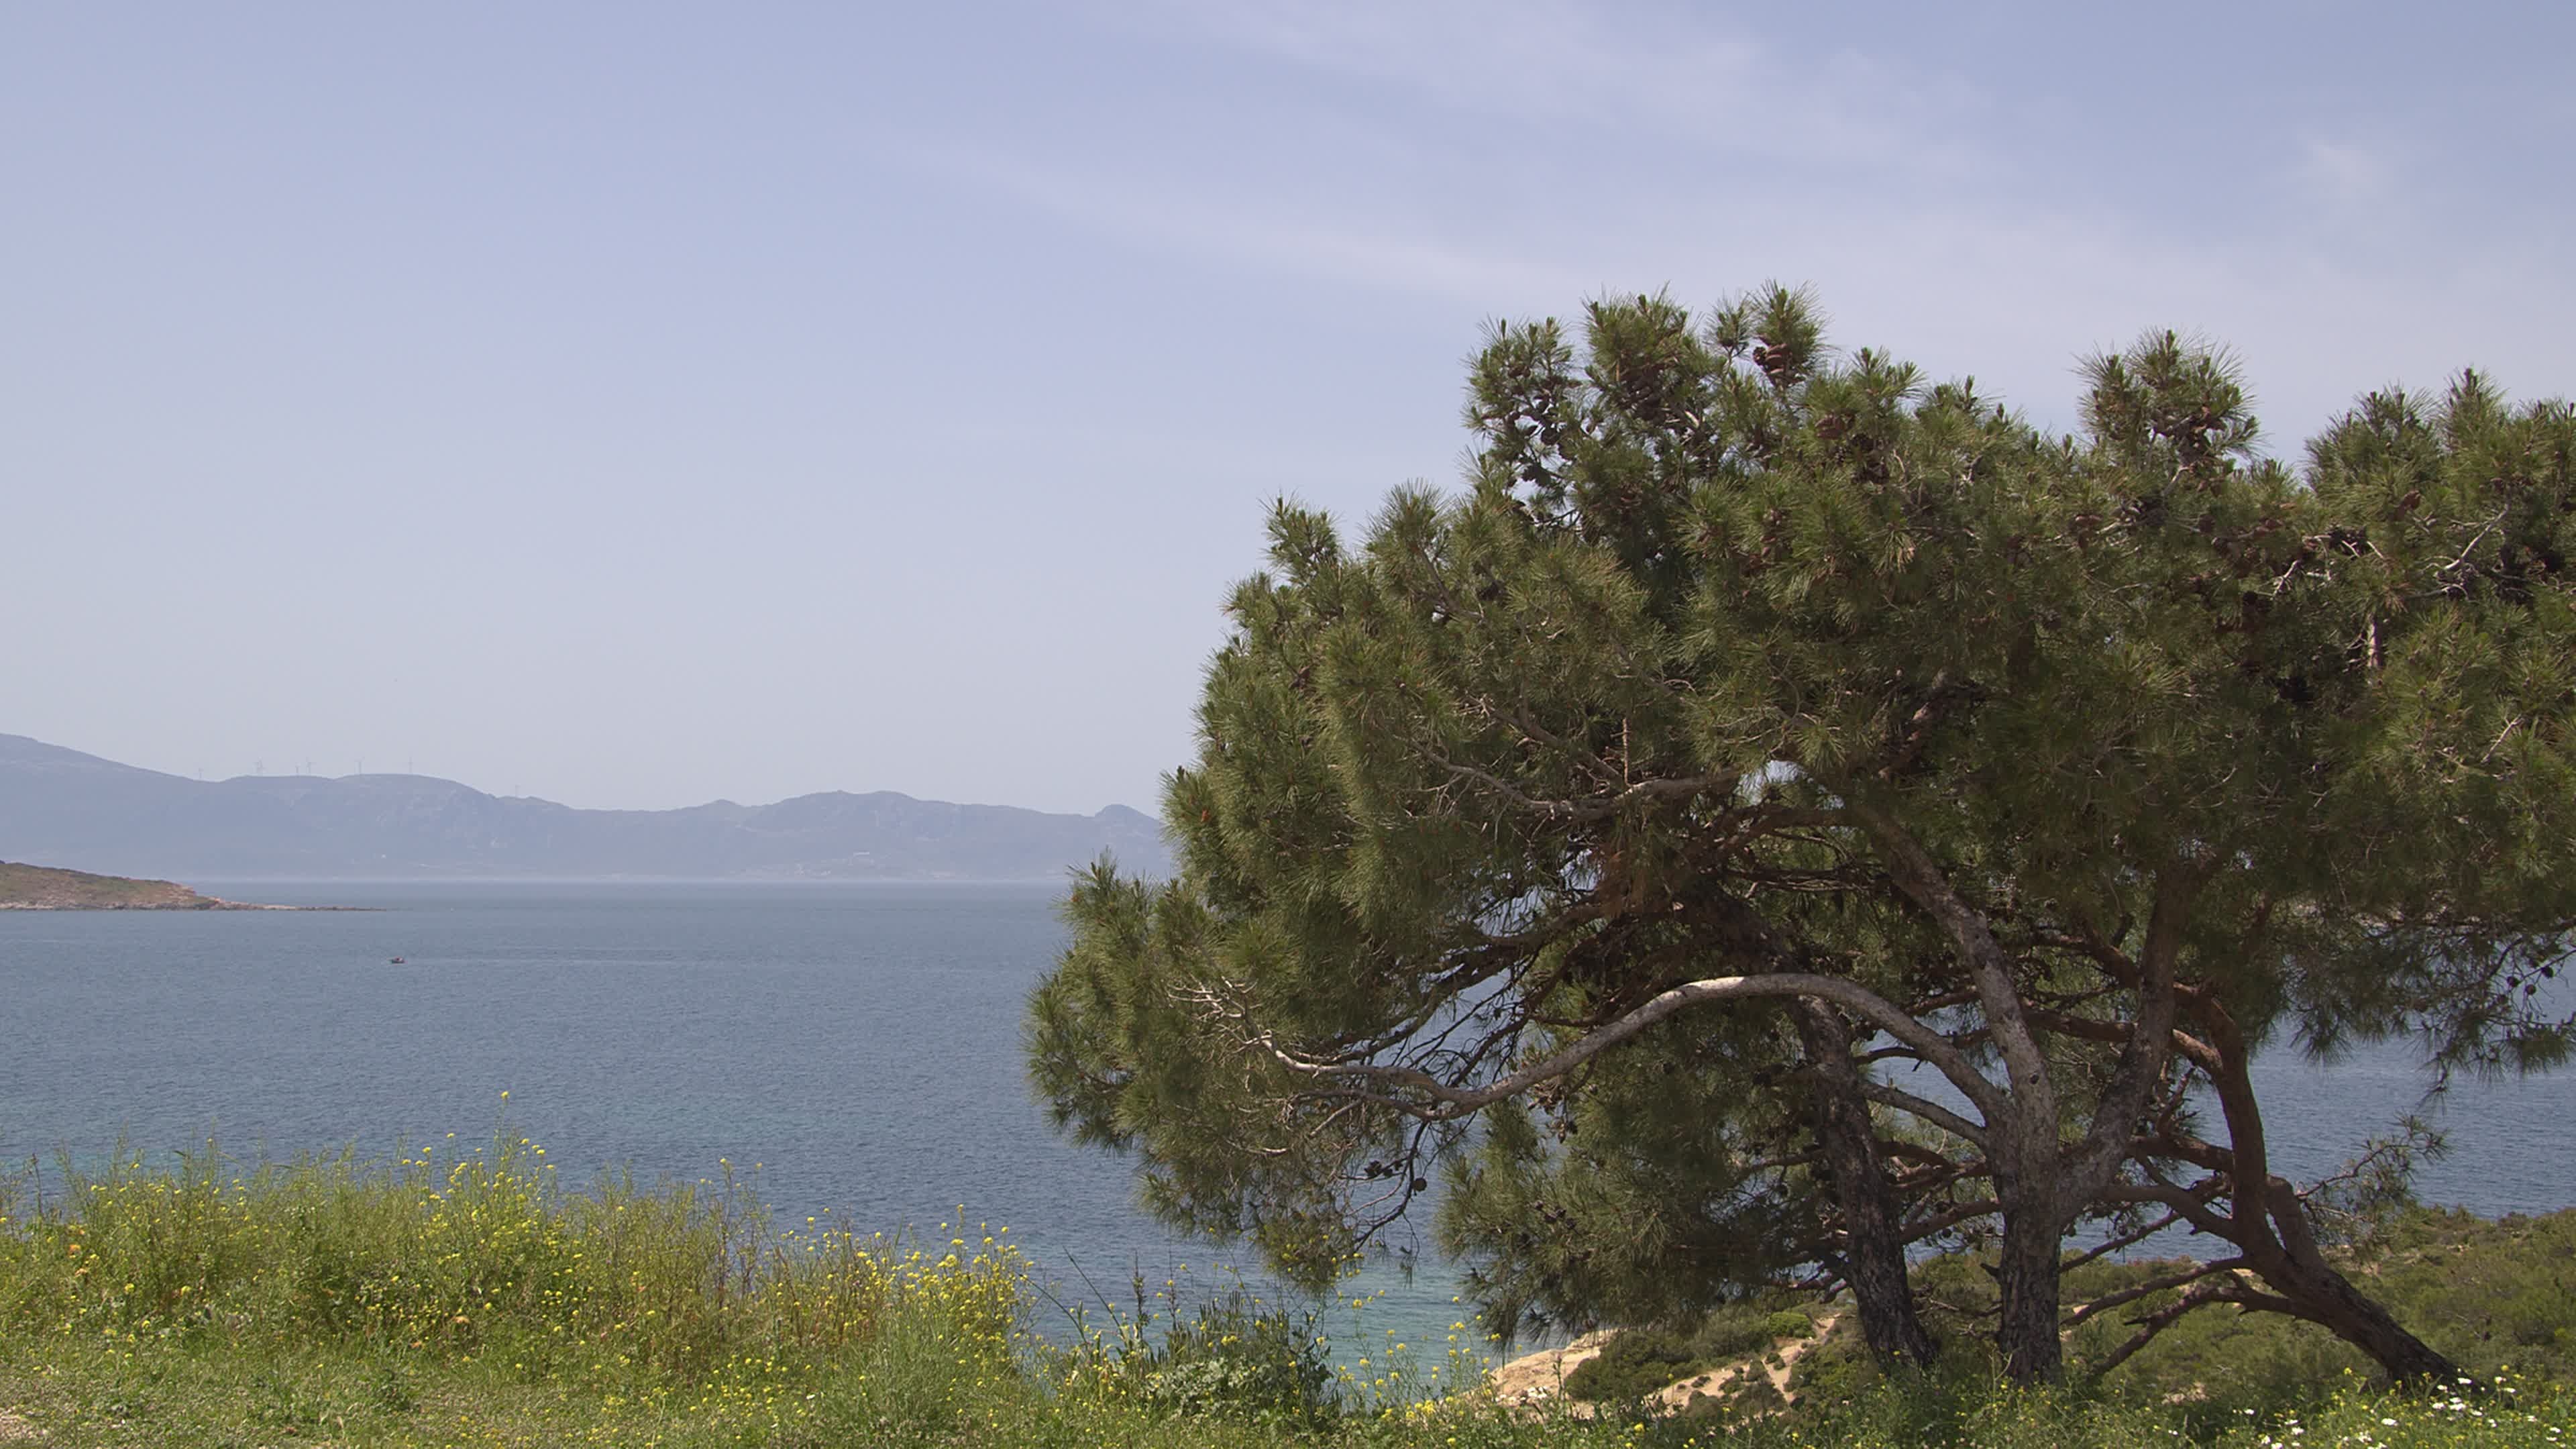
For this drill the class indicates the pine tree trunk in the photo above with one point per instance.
(2297, 1269)
(2271, 1227)
(1874, 1258)
(2028, 1273)
(2332, 1302)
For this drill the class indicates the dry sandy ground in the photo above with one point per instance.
(1536, 1378)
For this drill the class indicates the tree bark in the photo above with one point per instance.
(2269, 1223)
(2027, 1271)
(1874, 1256)
(2021, 1120)
(2041, 1184)
(2327, 1298)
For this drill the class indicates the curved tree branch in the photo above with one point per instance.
(1457, 1101)
(1932, 1112)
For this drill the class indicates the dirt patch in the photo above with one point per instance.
(1538, 1378)
(16, 1430)
(1678, 1394)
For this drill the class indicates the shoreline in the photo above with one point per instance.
(207, 903)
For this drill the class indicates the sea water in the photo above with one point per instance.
(853, 1049)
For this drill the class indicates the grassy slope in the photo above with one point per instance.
(45, 888)
(2498, 1297)
(460, 1297)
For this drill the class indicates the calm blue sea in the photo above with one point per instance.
(856, 1046)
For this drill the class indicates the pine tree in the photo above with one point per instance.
(1758, 723)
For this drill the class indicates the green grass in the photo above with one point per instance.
(460, 1296)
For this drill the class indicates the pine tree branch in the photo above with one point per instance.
(1455, 1101)
(2233, 1291)
(1989, 970)
(1942, 1222)
(2129, 1239)
(2191, 1202)
(2158, 1284)
(1592, 810)
(1932, 1112)
(2149, 1046)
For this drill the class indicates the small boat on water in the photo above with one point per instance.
(397, 961)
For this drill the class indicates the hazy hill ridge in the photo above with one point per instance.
(64, 808)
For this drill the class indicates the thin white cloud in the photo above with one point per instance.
(1640, 71)
(1325, 238)
(1662, 150)
(2010, 289)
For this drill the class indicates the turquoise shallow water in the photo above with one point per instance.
(859, 1044)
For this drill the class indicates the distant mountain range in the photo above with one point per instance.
(60, 807)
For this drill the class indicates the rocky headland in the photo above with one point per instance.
(43, 888)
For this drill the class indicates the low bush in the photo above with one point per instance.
(1229, 1354)
(1633, 1365)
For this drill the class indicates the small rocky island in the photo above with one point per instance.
(42, 888)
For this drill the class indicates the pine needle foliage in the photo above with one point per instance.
(1760, 722)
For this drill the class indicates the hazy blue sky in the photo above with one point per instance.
(639, 404)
